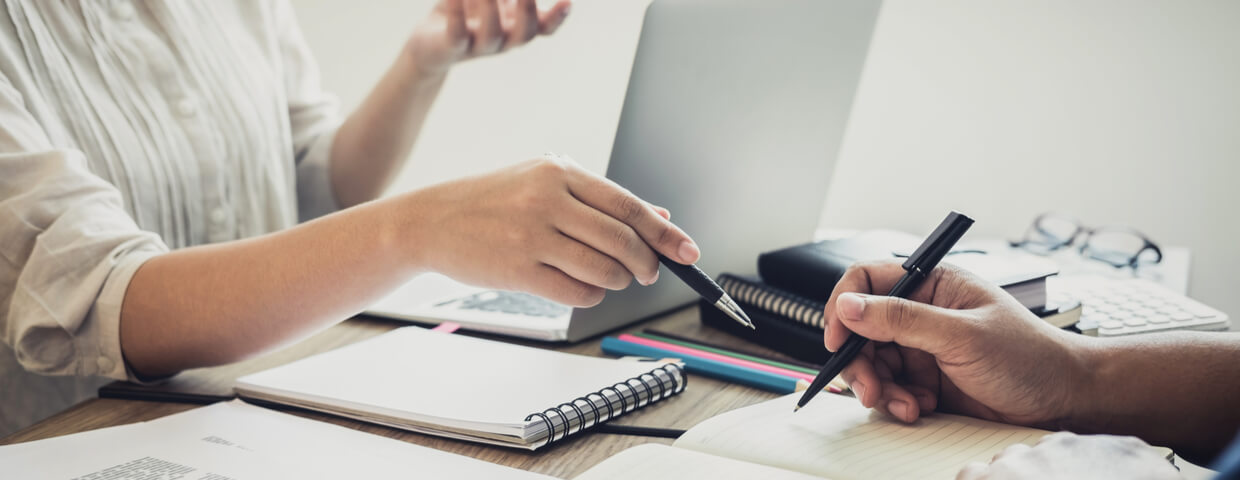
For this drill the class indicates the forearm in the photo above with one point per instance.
(1173, 389)
(372, 144)
(221, 303)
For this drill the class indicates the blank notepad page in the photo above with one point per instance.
(445, 379)
(835, 437)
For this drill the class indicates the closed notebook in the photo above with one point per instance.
(832, 437)
(783, 321)
(466, 388)
(812, 270)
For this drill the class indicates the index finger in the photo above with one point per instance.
(660, 234)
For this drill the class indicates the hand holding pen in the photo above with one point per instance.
(958, 345)
(917, 267)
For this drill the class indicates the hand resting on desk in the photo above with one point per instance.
(961, 345)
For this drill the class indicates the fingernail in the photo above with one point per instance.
(858, 389)
(688, 252)
(851, 306)
(653, 278)
(898, 408)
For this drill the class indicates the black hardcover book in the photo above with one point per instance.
(812, 269)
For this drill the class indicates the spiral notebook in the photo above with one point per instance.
(752, 292)
(466, 388)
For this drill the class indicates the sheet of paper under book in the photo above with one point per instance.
(237, 441)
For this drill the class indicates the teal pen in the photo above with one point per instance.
(707, 367)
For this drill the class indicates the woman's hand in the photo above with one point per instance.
(1068, 455)
(544, 226)
(458, 30)
(959, 345)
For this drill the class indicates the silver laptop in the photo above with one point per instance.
(733, 119)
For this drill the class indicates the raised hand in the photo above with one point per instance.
(458, 30)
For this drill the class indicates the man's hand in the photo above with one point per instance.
(959, 345)
(1066, 455)
(545, 226)
(458, 30)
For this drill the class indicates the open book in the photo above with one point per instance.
(832, 437)
(466, 388)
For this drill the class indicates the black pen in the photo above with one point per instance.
(916, 268)
(707, 288)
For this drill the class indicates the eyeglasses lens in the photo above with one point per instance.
(1117, 247)
(1050, 233)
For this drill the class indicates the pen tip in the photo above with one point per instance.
(751, 327)
(796, 409)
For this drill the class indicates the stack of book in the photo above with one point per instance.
(787, 301)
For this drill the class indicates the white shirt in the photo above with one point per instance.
(127, 129)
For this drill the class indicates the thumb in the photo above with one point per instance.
(890, 319)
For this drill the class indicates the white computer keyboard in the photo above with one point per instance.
(1126, 306)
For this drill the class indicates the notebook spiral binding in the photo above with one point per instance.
(779, 302)
(587, 411)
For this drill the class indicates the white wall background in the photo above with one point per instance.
(1116, 111)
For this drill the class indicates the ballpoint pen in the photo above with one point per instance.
(707, 288)
(916, 269)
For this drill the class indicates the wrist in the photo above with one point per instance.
(1086, 383)
(417, 71)
(394, 222)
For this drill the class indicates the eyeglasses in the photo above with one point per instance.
(1116, 246)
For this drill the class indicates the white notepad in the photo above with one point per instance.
(466, 388)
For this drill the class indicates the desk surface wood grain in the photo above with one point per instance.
(703, 399)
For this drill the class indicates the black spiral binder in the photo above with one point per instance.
(610, 402)
(785, 304)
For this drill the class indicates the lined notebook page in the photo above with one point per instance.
(443, 379)
(653, 461)
(835, 437)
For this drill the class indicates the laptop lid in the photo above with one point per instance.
(733, 119)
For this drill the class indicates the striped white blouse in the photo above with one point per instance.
(128, 128)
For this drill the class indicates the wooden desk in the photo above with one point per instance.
(702, 399)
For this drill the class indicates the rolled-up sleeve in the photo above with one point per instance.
(313, 117)
(68, 250)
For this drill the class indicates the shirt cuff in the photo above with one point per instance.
(315, 196)
(99, 353)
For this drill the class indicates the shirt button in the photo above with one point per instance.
(218, 215)
(186, 107)
(123, 10)
(105, 364)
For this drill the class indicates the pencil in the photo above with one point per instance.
(639, 431)
(720, 351)
(836, 385)
(704, 343)
(711, 368)
(717, 357)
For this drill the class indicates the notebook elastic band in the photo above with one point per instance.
(667, 380)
